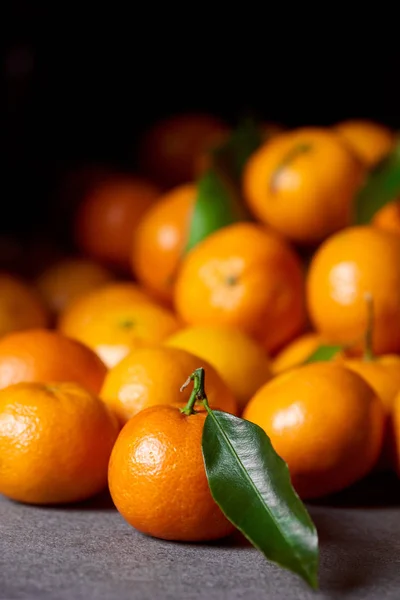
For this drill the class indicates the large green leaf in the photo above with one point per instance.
(252, 486)
(217, 205)
(324, 353)
(381, 186)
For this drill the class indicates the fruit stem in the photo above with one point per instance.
(368, 352)
(198, 393)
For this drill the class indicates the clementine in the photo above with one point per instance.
(246, 277)
(302, 183)
(151, 376)
(170, 150)
(40, 355)
(329, 444)
(352, 263)
(107, 217)
(115, 319)
(68, 279)
(241, 361)
(388, 217)
(20, 305)
(296, 352)
(55, 443)
(371, 141)
(157, 478)
(160, 239)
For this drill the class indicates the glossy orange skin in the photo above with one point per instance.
(157, 478)
(241, 361)
(325, 421)
(160, 239)
(20, 305)
(116, 319)
(171, 151)
(296, 352)
(246, 277)
(309, 197)
(68, 279)
(106, 219)
(371, 141)
(383, 375)
(152, 376)
(388, 217)
(348, 265)
(40, 355)
(55, 443)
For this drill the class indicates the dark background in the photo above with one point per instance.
(79, 88)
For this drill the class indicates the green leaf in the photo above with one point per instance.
(232, 155)
(324, 353)
(381, 186)
(252, 486)
(217, 205)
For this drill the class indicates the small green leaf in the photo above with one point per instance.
(252, 486)
(381, 186)
(324, 353)
(232, 155)
(217, 205)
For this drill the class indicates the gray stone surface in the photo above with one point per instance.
(88, 552)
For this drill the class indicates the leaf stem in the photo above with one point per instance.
(198, 393)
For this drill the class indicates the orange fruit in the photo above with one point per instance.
(325, 421)
(240, 360)
(107, 217)
(296, 352)
(116, 319)
(157, 478)
(39, 355)
(20, 305)
(383, 375)
(160, 239)
(55, 443)
(170, 150)
(347, 266)
(371, 141)
(388, 217)
(302, 183)
(246, 277)
(151, 376)
(68, 279)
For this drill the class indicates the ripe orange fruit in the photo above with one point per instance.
(68, 279)
(325, 421)
(157, 478)
(240, 360)
(20, 305)
(151, 376)
(371, 141)
(246, 277)
(39, 355)
(296, 352)
(170, 150)
(382, 374)
(107, 218)
(302, 183)
(388, 217)
(116, 319)
(55, 443)
(347, 266)
(160, 239)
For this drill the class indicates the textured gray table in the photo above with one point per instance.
(88, 552)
